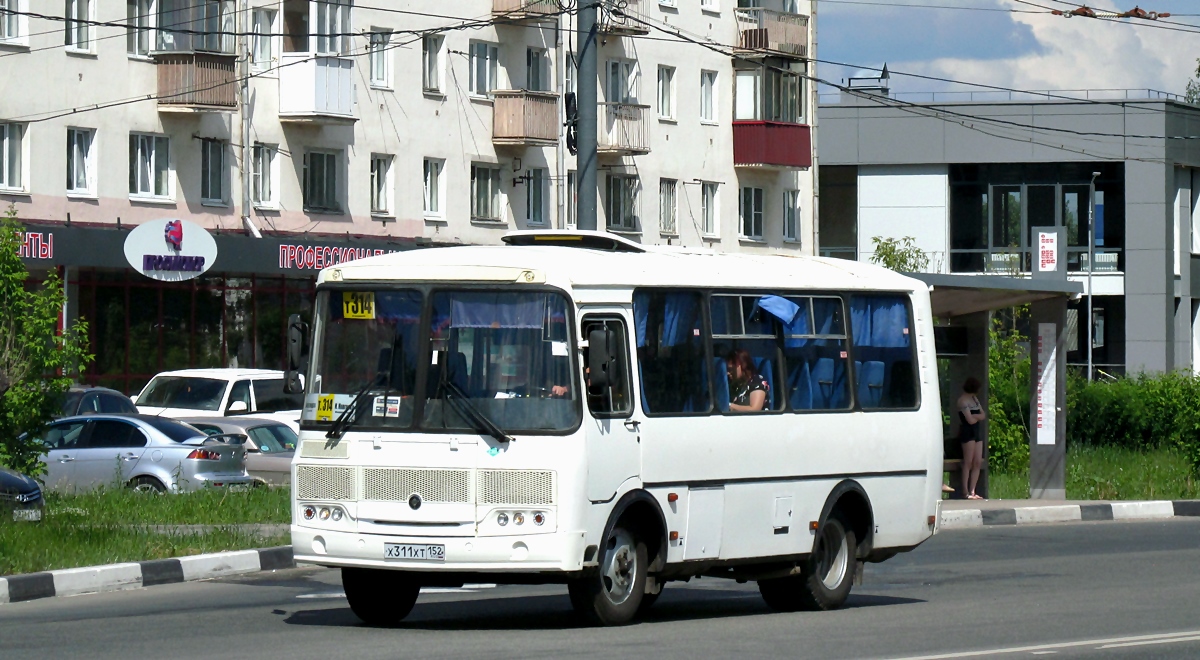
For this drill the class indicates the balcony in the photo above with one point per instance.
(525, 10)
(525, 119)
(624, 17)
(624, 129)
(772, 145)
(196, 82)
(316, 89)
(767, 32)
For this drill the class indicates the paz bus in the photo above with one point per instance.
(564, 408)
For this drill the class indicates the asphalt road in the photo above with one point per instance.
(1105, 590)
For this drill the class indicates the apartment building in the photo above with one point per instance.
(302, 133)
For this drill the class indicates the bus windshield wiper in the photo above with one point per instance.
(350, 415)
(463, 406)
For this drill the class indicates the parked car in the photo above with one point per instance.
(83, 400)
(220, 392)
(20, 496)
(270, 445)
(144, 452)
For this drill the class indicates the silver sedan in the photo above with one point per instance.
(143, 452)
(270, 445)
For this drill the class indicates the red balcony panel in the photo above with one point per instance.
(772, 144)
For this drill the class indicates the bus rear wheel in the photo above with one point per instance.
(613, 595)
(826, 576)
(380, 597)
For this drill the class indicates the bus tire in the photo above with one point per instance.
(826, 575)
(380, 597)
(613, 595)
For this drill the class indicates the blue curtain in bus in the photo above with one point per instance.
(880, 321)
(489, 310)
(883, 352)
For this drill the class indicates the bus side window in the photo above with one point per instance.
(671, 352)
(615, 399)
(884, 355)
(814, 346)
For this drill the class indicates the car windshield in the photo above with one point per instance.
(273, 438)
(270, 397)
(177, 431)
(188, 392)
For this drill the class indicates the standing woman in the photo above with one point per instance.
(970, 413)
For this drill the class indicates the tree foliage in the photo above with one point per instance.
(1192, 94)
(37, 362)
(899, 254)
(1008, 393)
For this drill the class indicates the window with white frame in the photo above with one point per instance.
(708, 96)
(381, 184)
(572, 202)
(621, 204)
(621, 81)
(321, 181)
(571, 74)
(431, 63)
(537, 70)
(13, 23)
(212, 171)
(433, 186)
(263, 44)
(81, 167)
(752, 212)
(791, 215)
(708, 207)
(381, 58)
(791, 7)
(333, 27)
(149, 166)
(484, 61)
(535, 196)
(263, 175)
(139, 19)
(78, 29)
(666, 92)
(12, 156)
(667, 207)
(768, 94)
(485, 192)
(710, 5)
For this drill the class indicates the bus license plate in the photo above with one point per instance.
(419, 552)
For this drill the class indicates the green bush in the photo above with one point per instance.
(1008, 397)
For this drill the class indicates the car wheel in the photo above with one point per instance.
(148, 485)
(826, 576)
(614, 593)
(380, 597)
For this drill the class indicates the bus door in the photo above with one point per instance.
(613, 425)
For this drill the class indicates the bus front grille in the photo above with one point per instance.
(320, 482)
(398, 484)
(531, 487)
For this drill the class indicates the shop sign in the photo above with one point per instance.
(170, 250)
(316, 257)
(36, 245)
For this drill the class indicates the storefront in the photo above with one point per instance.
(224, 307)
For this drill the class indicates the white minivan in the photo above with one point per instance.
(220, 392)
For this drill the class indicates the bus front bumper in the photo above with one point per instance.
(556, 552)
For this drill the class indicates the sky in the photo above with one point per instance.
(1027, 51)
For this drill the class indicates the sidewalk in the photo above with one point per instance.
(958, 514)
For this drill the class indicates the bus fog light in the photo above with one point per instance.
(502, 519)
(310, 512)
(324, 515)
(336, 515)
(539, 518)
(519, 518)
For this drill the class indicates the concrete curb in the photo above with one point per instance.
(1151, 510)
(134, 575)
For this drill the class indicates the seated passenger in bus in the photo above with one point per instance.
(747, 388)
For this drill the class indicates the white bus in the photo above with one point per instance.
(576, 408)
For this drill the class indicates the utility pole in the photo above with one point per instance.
(586, 130)
(244, 57)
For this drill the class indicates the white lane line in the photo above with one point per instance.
(1153, 641)
(332, 594)
(466, 588)
(1191, 635)
(1044, 652)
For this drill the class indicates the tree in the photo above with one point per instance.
(37, 362)
(1192, 94)
(899, 254)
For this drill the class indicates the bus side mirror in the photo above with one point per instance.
(601, 350)
(297, 333)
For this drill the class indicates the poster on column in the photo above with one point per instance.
(1047, 371)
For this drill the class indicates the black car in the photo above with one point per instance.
(84, 400)
(20, 495)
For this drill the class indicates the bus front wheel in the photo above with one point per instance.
(826, 576)
(380, 597)
(613, 595)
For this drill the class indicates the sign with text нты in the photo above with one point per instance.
(1047, 371)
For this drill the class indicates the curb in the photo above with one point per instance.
(134, 575)
(1116, 511)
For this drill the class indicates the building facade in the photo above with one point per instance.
(300, 133)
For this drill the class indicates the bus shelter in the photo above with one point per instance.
(962, 308)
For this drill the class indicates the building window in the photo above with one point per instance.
(433, 186)
(381, 184)
(212, 171)
(81, 169)
(149, 166)
(666, 92)
(622, 82)
(381, 58)
(708, 204)
(484, 68)
(264, 43)
(622, 202)
(768, 94)
(791, 215)
(708, 96)
(431, 63)
(262, 176)
(709, 5)
(537, 70)
(485, 192)
(12, 23)
(78, 32)
(535, 196)
(333, 27)
(321, 181)
(752, 213)
(571, 74)
(196, 25)
(139, 17)
(667, 206)
(12, 156)
(572, 202)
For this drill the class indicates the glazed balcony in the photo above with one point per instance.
(624, 17)
(196, 82)
(525, 10)
(525, 119)
(772, 145)
(766, 32)
(624, 129)
(316, 89)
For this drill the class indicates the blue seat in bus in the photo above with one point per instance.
(722, 384)
(870, 383)
(800, 387)
(766, 369)
(830, 378)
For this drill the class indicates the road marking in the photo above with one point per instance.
(1044, 652)
(1115, 642)
(332, 594)
(466, 588)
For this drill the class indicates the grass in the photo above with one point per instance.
(207, 507)
(1112, 473)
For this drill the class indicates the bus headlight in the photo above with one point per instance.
(539, 518)
(519, 518)
(310, 512)
(502, 519)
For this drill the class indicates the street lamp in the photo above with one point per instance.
(1091, 267)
